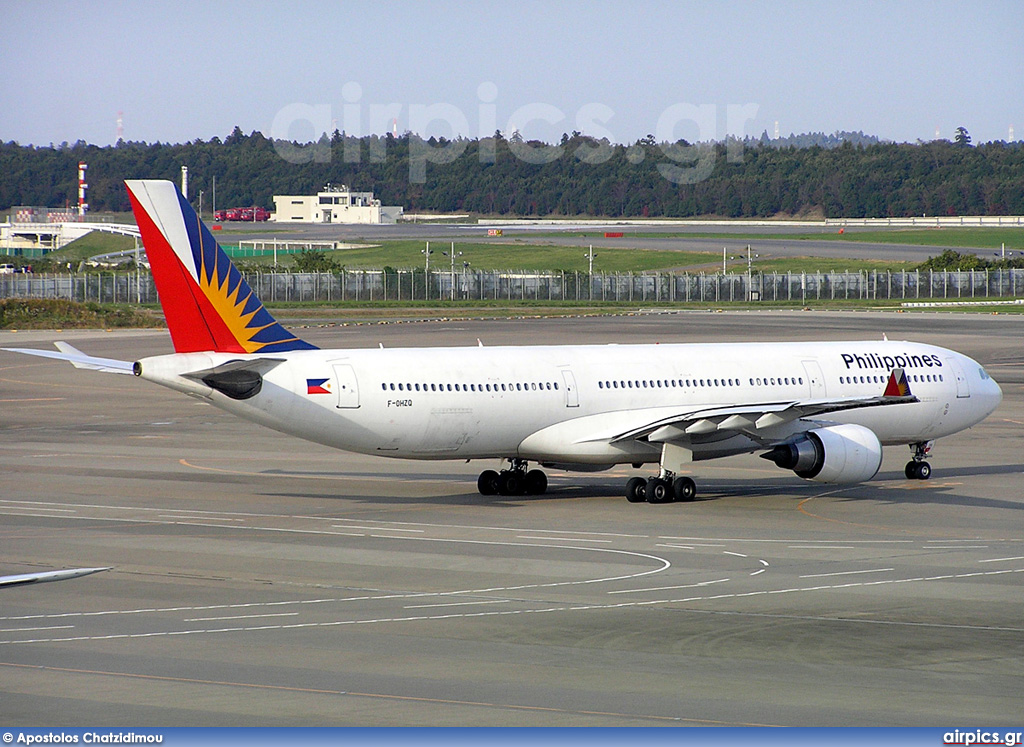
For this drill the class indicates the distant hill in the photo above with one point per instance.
(843, 174)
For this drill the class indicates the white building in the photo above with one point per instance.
(334, 205)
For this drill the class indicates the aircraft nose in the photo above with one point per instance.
(993, 394)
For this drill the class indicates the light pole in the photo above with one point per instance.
(590, 272)
(452, 255)
(750, 274)
(426, 271)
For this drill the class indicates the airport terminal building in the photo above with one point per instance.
(334, 204)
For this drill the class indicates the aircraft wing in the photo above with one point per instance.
(755, 418)
(37, 578)
(78, 359)
(708, 432)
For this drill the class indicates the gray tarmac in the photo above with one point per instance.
(259, 580)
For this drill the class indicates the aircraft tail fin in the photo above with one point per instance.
(206, 301)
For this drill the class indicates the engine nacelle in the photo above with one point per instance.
(835, 454)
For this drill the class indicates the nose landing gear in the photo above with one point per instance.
(917, 468)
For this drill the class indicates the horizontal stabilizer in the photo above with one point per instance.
(78, 359)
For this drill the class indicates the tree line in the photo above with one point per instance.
(751, 178)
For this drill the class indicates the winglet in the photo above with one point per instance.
(897, 385)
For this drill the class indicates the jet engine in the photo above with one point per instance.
(834, 454)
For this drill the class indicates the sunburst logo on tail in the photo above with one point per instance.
(251, 325)
(207, 303)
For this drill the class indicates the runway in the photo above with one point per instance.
(261, 580)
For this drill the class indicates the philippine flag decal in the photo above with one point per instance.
(317, 386)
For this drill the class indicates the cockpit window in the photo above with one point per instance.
(983, 374)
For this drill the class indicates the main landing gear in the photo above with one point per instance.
(664, 488)
(917, 468)
(517, 480)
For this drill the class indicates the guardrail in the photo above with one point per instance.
(646, 287)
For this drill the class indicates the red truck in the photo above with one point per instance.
(249, 214)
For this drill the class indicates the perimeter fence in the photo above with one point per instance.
(482, 285)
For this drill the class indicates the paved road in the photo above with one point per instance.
(262, 580)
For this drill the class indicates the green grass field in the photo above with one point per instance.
(92, 244)
(966, 238)
(520, 255)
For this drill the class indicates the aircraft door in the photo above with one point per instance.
(815, 379)
(572, 396)
(348, 387)
(963, 388)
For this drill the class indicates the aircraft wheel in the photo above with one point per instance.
(658, 490)
(918, 470)
(510, 482)
(487, 483)
(636, 490)
(536, 482)
(684, 488)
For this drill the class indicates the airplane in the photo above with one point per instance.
(821, 409)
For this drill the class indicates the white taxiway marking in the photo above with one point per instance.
(453, 604)
(846, 573)
(240, 617)
(561, 539)
(667, 588)
(1000, 560)
(22, 630)
(568, 608)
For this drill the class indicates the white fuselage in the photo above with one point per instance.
(567, 404)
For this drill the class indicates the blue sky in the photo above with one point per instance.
(185, 70)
